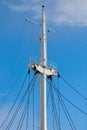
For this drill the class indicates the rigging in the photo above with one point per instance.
(73, 88)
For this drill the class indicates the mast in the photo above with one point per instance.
(43, 120)
(44, 70)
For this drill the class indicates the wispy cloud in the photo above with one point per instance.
(19, 8)
(71, 12)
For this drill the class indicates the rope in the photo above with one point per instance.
(54, 86)
(19, 106)
(22, 118)
(64, 106)
(59, 104)
(48, 96)
(54, 109)
(27, 106)
(66, 116)
(14, 102)
(13, 63)
(66, 112)
(33, 108)
(10, 91)
(65, 109)
(27, 118)
(73, 88)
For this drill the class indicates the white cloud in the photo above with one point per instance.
(71, 12)
(24, 6)
(20, 8)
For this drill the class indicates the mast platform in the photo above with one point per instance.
(43, 69)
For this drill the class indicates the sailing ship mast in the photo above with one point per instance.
(43, 76)
(45, 71)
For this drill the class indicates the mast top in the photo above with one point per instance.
(43, 6)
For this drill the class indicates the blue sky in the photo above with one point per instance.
(67, 47)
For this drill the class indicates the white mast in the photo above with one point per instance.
(43, 119)
(44, 70)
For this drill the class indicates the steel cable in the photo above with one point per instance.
(54, 109)
(19, 106)
(54, 86)
(14, 102)
(73, 88)
(65, 109)
(22, 118)
(10, 90)
(64, 106)
(26, 107)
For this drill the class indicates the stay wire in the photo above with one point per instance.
(10, 90)
(18, 108)
(14, 102)
(13, 63)
(31, 40)
(33, 108)
(15, 113)
(68, 100)
(73, 88)
(27, 104)
(74, 105)
(59, 103)
(53, 114)
(71, 102)
(22, 117)
(66, 115)
(23, 113)
(19, 41)
(48, 96)
(27, 118)
(52, 108)
(63, 105)
(65, 110)
(55, 110)
(33, 37)
(22, 58)
(57, 116)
